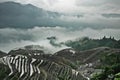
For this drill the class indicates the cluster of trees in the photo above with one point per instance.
(4, 71)
(87, 43)
(111, 67)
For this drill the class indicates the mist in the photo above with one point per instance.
(11, 38)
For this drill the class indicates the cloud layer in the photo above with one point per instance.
(12, 38)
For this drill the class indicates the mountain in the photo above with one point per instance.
(33, 50)
(96, 62)
(32, 63)
(24, 64)
(25, 16)
(87, 43)
(87, 56)
(2, 54)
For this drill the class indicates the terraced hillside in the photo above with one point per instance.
(93, 61)
(2, 54)
(35, 65)
(31, 63)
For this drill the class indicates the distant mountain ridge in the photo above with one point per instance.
(88, 43)
(17, 15)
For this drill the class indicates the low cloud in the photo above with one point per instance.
(12, 38)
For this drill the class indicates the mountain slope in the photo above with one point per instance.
(20, 65)
(24, 16)
(2, 54)
(87, 43)
(86, 56)
(93, 61)
(31, 62)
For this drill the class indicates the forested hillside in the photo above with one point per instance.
(87, 43)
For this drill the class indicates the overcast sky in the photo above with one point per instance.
(96, 13)
(88, 13)
(76, 6)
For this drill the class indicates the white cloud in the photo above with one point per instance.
(92, 18)
(16, 37)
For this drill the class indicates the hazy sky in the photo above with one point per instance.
(81, 13)
(76, 6)
(103, 15)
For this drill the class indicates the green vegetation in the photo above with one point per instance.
(87, 43)
(117, 76)
(4, 71)
(111, 68)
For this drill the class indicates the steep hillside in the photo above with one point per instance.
(93, 61)
(87, 43)
(25, 16)
(32, 63)
(2, 54)
(29, 64)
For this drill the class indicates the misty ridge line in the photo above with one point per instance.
(14, 38)
(29, 16)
